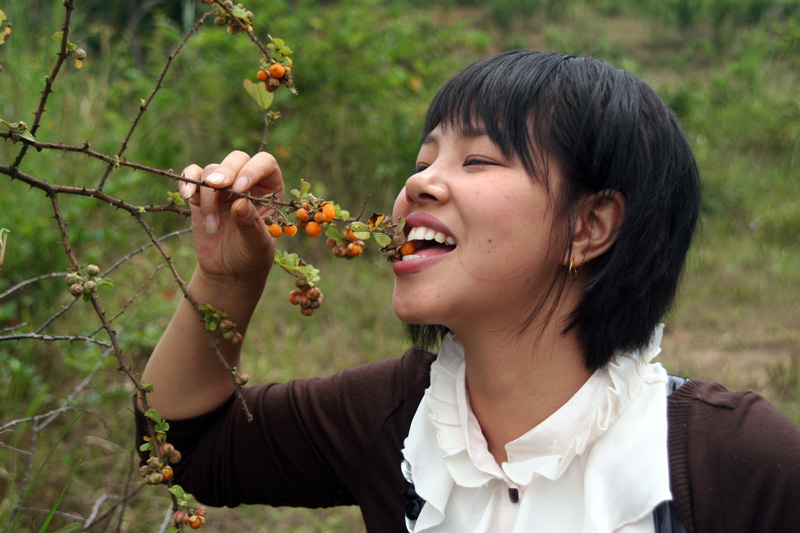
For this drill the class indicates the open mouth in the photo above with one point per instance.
(428, 242)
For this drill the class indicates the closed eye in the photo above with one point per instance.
(478, 162)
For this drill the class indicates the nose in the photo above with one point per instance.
(427, 187)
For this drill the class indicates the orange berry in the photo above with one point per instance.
(320, 218)
(330, 212)
(196, 521)
(277, 70)
(290, 230)
(350, 236)
(275, 230)
(354, 249)
(262, 75)
(407, 248)
(313, 229)
(304, 205)
(293, 297)
(270, 88)
(302, 215)
(167, 473)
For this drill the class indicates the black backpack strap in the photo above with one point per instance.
(664, 516)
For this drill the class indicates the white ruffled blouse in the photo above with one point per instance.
(597, 464)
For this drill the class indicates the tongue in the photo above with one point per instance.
(435, 249)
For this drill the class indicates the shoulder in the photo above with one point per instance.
(734, 460)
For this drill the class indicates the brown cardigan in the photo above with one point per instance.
(322, 442)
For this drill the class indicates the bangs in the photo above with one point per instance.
(499, 96)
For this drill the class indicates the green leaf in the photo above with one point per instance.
(147, 386)
(334, 234)
(278, 42)
(285, 50)
(382, 239)
(295, 193)
(153, 415)
(146, 447)
(259, 93)
(304, 187)
(57, 36)
(178, 491)
(173, 529)
(360, 230)
(58, 502)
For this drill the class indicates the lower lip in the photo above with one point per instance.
(415, 265)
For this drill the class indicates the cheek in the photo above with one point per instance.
(401, 206)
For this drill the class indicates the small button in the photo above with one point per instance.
(513, 495)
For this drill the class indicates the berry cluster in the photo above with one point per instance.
(347, 245)
(157, 469)
(86, 285)
(274, 73)
(307, 296)
(236, 17)
(312, 217)
(216, 321)
(194, 516)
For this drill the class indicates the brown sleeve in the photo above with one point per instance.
(734, 461)
(314, 443)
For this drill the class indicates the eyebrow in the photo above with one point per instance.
(432, 138)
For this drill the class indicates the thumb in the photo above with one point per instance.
(252, 228)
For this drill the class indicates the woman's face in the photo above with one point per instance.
(483, 229)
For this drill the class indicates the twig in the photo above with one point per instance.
(48, 83)
(144, 106)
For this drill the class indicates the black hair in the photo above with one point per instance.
(607, 131)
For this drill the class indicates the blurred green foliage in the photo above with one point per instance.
(365, 72)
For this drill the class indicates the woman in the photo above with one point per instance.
(552, 207)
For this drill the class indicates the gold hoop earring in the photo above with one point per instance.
(572, 271)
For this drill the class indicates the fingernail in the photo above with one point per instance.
(240, 184)
(211, 222)
(216, 178)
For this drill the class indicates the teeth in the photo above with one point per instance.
(421, 233)
(409, 257)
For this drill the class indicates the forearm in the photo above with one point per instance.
(188, 377)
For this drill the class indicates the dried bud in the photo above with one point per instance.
(72, 278)
(90, 286)
(145, 471)
(200, 511)
(93, 270)
(155, 478)
(76, 289)
(180, 517)
(155, 463)
(79, 54)
(242, 378)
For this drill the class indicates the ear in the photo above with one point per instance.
(598, 217)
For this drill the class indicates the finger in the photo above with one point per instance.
(261, 172)
(225, 173)
(219, 177)
(252, 229)
(187, 190)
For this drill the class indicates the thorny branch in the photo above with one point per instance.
(53, 191)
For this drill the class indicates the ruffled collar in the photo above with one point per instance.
(459, 457)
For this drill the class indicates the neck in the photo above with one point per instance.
(516, 381)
